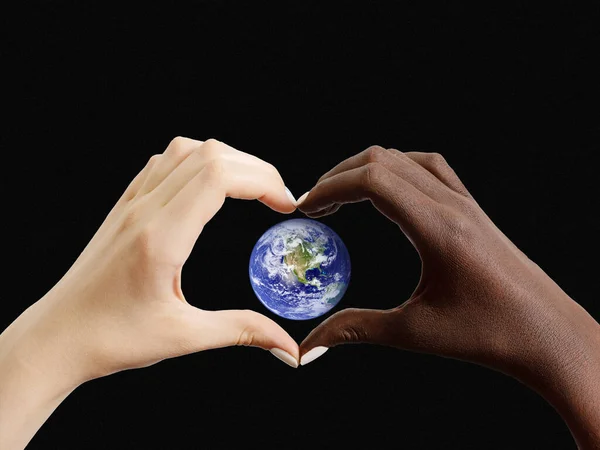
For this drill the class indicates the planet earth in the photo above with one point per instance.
(299, 269)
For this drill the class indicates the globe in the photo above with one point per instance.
(299, 269)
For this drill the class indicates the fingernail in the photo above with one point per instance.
(312, 354)
(302, 198)
(290, 195)
(284, 356)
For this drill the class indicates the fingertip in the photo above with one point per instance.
(282, 202)
(283, 341)
(285, 209)
(302, 198)
(285, 357)
(312, 354)
(290, 196)
(292, 204)
(270, 335)
(318, 337)
(279, 205)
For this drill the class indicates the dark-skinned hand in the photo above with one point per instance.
(479, 299)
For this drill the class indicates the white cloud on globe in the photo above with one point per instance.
(299, 269)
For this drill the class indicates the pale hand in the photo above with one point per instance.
(120, 306)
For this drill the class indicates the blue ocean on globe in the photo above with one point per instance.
(299, 269)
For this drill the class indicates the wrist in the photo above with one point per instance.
(44, 340)
(37, 372)
(557, 354)
(571, 384)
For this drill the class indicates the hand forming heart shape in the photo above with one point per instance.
(479, 299)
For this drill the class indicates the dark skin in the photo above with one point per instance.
(479, 299)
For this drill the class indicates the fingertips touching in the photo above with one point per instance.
(302, 198)
(345, 187)
(279, 198)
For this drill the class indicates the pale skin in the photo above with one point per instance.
(120, 306)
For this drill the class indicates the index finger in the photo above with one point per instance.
(394, 197)
(219, 159)
(186, 214)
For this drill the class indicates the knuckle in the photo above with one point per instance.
(178, 146)
(375, 154)
(351, 330)
(212, 141)
(211, 149)
(396, 152)
(274, 174)
(436, 160)
(272, 169)
(176, 143)
(247, 335)
(373, 175)
(153, 160)
(353, 334)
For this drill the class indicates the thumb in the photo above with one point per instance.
(399, 327)
(204, 330)
(352, 325)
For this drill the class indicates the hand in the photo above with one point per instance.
(479, 299)
(120, 306)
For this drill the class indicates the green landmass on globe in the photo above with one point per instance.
(299, 269)
(303, 257)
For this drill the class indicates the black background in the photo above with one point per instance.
(506, 93)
